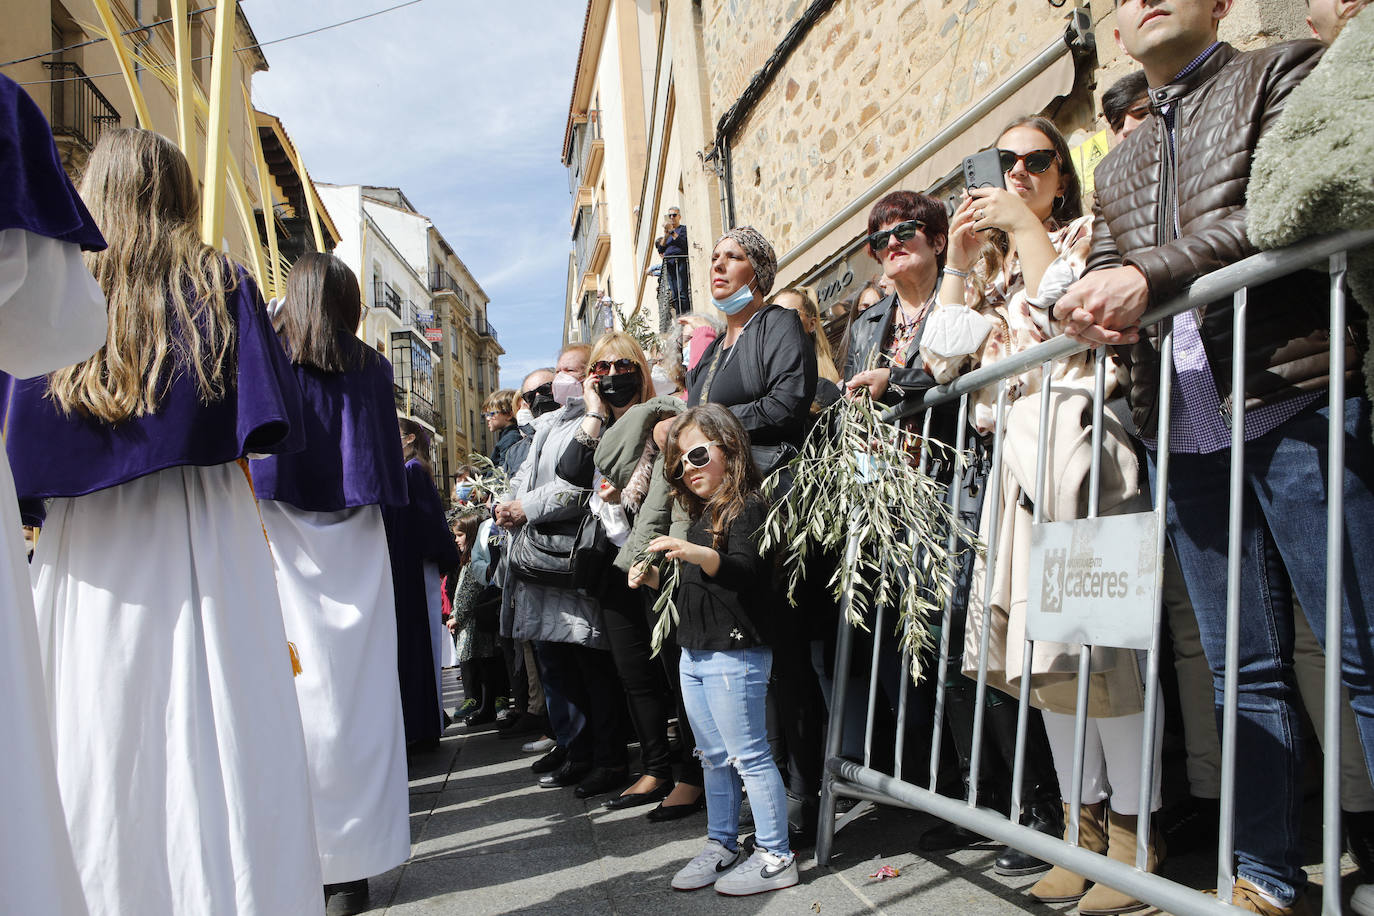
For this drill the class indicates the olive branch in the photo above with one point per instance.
(857, 491)
(489, 477)
(636, 324)
(665, 608)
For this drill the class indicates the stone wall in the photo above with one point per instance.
(871, 81)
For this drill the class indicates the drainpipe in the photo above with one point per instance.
(1077, 37)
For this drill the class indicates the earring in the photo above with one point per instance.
(1058, 201)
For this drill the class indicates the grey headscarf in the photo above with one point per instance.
(760, 254)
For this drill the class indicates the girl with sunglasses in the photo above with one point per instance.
(727, 620)
(1013, 252)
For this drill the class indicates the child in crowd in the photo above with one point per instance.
(725, 600)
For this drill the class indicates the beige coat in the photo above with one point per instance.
(1116, 687)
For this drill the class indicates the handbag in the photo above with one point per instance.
(565, 554)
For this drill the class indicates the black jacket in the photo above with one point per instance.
(867, 333)
(774, 364)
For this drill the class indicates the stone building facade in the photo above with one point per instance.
(794, 116)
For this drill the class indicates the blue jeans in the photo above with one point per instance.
(725, 693)
(1283, 546)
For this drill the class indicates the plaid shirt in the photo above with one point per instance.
(1199, 424)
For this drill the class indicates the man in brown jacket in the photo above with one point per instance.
(1170, 208)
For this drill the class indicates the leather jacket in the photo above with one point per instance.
(1178, 215)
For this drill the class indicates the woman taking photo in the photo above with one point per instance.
(152, 581)
(421, 549)
(1013, 252)
(618, 384)
(321, 509)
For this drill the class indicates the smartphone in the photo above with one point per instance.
(983, 170)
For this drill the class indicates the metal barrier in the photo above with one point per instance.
(845, 778)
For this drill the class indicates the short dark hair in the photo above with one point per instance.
(321, 314)
(1123, 94)
(900, 206)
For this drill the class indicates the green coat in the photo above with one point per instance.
(617, 456)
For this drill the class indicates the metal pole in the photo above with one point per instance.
(834, 732)
(1147, 752)
(905, 682)
(1335, 544)
(994, 524)
(1042, 449)
(1227, 829)
(955, 497)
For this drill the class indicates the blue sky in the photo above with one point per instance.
(462, 104)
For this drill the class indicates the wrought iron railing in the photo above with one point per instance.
(79, 110)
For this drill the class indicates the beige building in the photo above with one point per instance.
(425, 312)
(59, 53)
(795, 117)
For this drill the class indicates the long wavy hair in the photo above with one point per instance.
(321, 315)
(167, 290)
(742, 478)
(1068, 206)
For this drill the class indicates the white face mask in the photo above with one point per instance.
(524, 417)
(663, 385)
(565, 387)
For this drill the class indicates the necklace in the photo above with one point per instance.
(900, 321)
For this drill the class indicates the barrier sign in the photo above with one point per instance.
(1094, 581)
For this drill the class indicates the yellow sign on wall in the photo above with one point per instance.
(1087, 155)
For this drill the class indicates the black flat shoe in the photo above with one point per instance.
(635, 799)
(550, 761)
(569, 774)
(347, 898)
(481, 717)
(602, 780)
(664, 813)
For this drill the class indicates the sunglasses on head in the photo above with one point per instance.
(696, 457)
(545, 389)
(621, 366)
(1037, 160)
(904, 231)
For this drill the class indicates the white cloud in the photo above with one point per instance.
(462, 105)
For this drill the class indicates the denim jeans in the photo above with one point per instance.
(1283, 542)
(725, 694)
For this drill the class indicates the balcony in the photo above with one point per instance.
(588, 149)
(441, 280)
(384, 295)
(80, 113)
(591, 241)
(485, 329)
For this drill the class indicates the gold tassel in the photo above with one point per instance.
(296, 668)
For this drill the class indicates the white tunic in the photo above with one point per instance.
(334, 579)
(180, 753)
(52, 314)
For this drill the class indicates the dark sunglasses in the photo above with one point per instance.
(904, 232)
(545, 389)
(1037, 160)
(698, 457)
(621, 366)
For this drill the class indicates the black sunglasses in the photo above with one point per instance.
(545, 389)
(621, 366)
(904, 232)
(1037, 160)
(698, 457)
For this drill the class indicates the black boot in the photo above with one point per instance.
(1359, 839)
(1048, 818)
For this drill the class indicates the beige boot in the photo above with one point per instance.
(1061, 885)
(1121, 838)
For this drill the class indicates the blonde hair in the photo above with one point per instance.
(619, 345)
(825, 359)
(499, 401)
(168, 310)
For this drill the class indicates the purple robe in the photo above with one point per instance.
(71, 455)
(352, 454)
(415, 533)
(33, 197)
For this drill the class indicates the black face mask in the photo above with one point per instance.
(542, 404)
(621, 389)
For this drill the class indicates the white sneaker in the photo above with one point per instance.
(1363, 901)
(712, 862)
(761, 873)
(538, 745)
